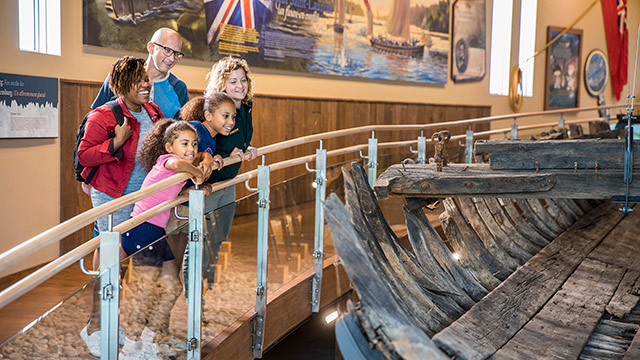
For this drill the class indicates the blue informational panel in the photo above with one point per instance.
(28, 106)
(405, 40)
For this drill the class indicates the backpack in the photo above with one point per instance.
(119, 115)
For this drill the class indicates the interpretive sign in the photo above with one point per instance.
(405, 40)
(28, 106)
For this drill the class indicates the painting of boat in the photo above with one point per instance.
(398, 38)
(415, 49)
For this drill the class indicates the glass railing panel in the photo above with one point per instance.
(229, 265)
(153, 307)
(54, 334)
(291, 229)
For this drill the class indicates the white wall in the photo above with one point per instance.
(29, 174)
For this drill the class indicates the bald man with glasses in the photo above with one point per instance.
(168, 91)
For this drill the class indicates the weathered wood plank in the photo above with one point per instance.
(633, 352)
(478, 180)
(544, 215)
(502, 254)
(490, 324)
(473, 255)
(555, 154)
(402, 261)
(563, 326)
(510, 241)
(417, 295)
(626, 296)
(512, 233)
(524, 228)
(417, 234)
(376, 295)
(532, 217)
(622, 249)
(561, 216)
(441, 252)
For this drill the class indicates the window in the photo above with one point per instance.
(501, 24)
(499, 69)
(527, 43)
(39, 26)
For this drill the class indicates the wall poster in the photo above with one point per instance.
(406, 40)
(562, 78)
(469, 54)
(28, 106)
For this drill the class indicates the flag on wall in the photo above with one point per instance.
(249, 14)
(614, 13)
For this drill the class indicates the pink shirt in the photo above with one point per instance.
(158, 173)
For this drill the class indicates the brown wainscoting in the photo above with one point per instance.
(275, 119)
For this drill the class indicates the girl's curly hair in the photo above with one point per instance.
(195, 108)
(163, 132)
(219, 74)
(125, 73)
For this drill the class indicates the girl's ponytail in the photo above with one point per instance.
(193, 110)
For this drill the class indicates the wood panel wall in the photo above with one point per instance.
(275, 119)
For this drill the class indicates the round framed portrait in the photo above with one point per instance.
(596, 72)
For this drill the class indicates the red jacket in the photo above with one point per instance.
(96, 148)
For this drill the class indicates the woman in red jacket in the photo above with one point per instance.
(112, 148)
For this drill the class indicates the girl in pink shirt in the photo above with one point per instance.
(169, 148)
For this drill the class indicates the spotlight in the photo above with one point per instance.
(331, 317)
(314, 184)
(456, 256)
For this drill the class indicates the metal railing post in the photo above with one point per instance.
(261, 283)
(561, 121)
(373, 159)
(321, 179)
(468, 147)
(422, 149)
(109, 291)
(194, 288)
(514, 130)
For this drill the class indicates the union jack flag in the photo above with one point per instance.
(250, 14)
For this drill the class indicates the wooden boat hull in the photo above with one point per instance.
(513, 278)
(413, 51)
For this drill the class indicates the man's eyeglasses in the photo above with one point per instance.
(167, 51)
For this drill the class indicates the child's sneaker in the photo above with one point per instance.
(132, 350)
(150, 351)
(92, 341)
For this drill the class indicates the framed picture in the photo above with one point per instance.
(562, 71)
(596, 72)
(468, 45)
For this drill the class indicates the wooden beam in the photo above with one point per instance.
(556, 154)
(478, 180)
(287, 308)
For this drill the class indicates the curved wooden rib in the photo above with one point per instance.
(524, 228)
(559, 213)
(442, 254)
(512, 233)
(500, 253)
(384, 310)
(424, 255)
(531, 217)
(544, 215)
(417, 298)
(473, 255)
(523, 253)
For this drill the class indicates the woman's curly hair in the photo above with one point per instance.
(125, 73)
(163, 132)
(219, 74)
(194, 109)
